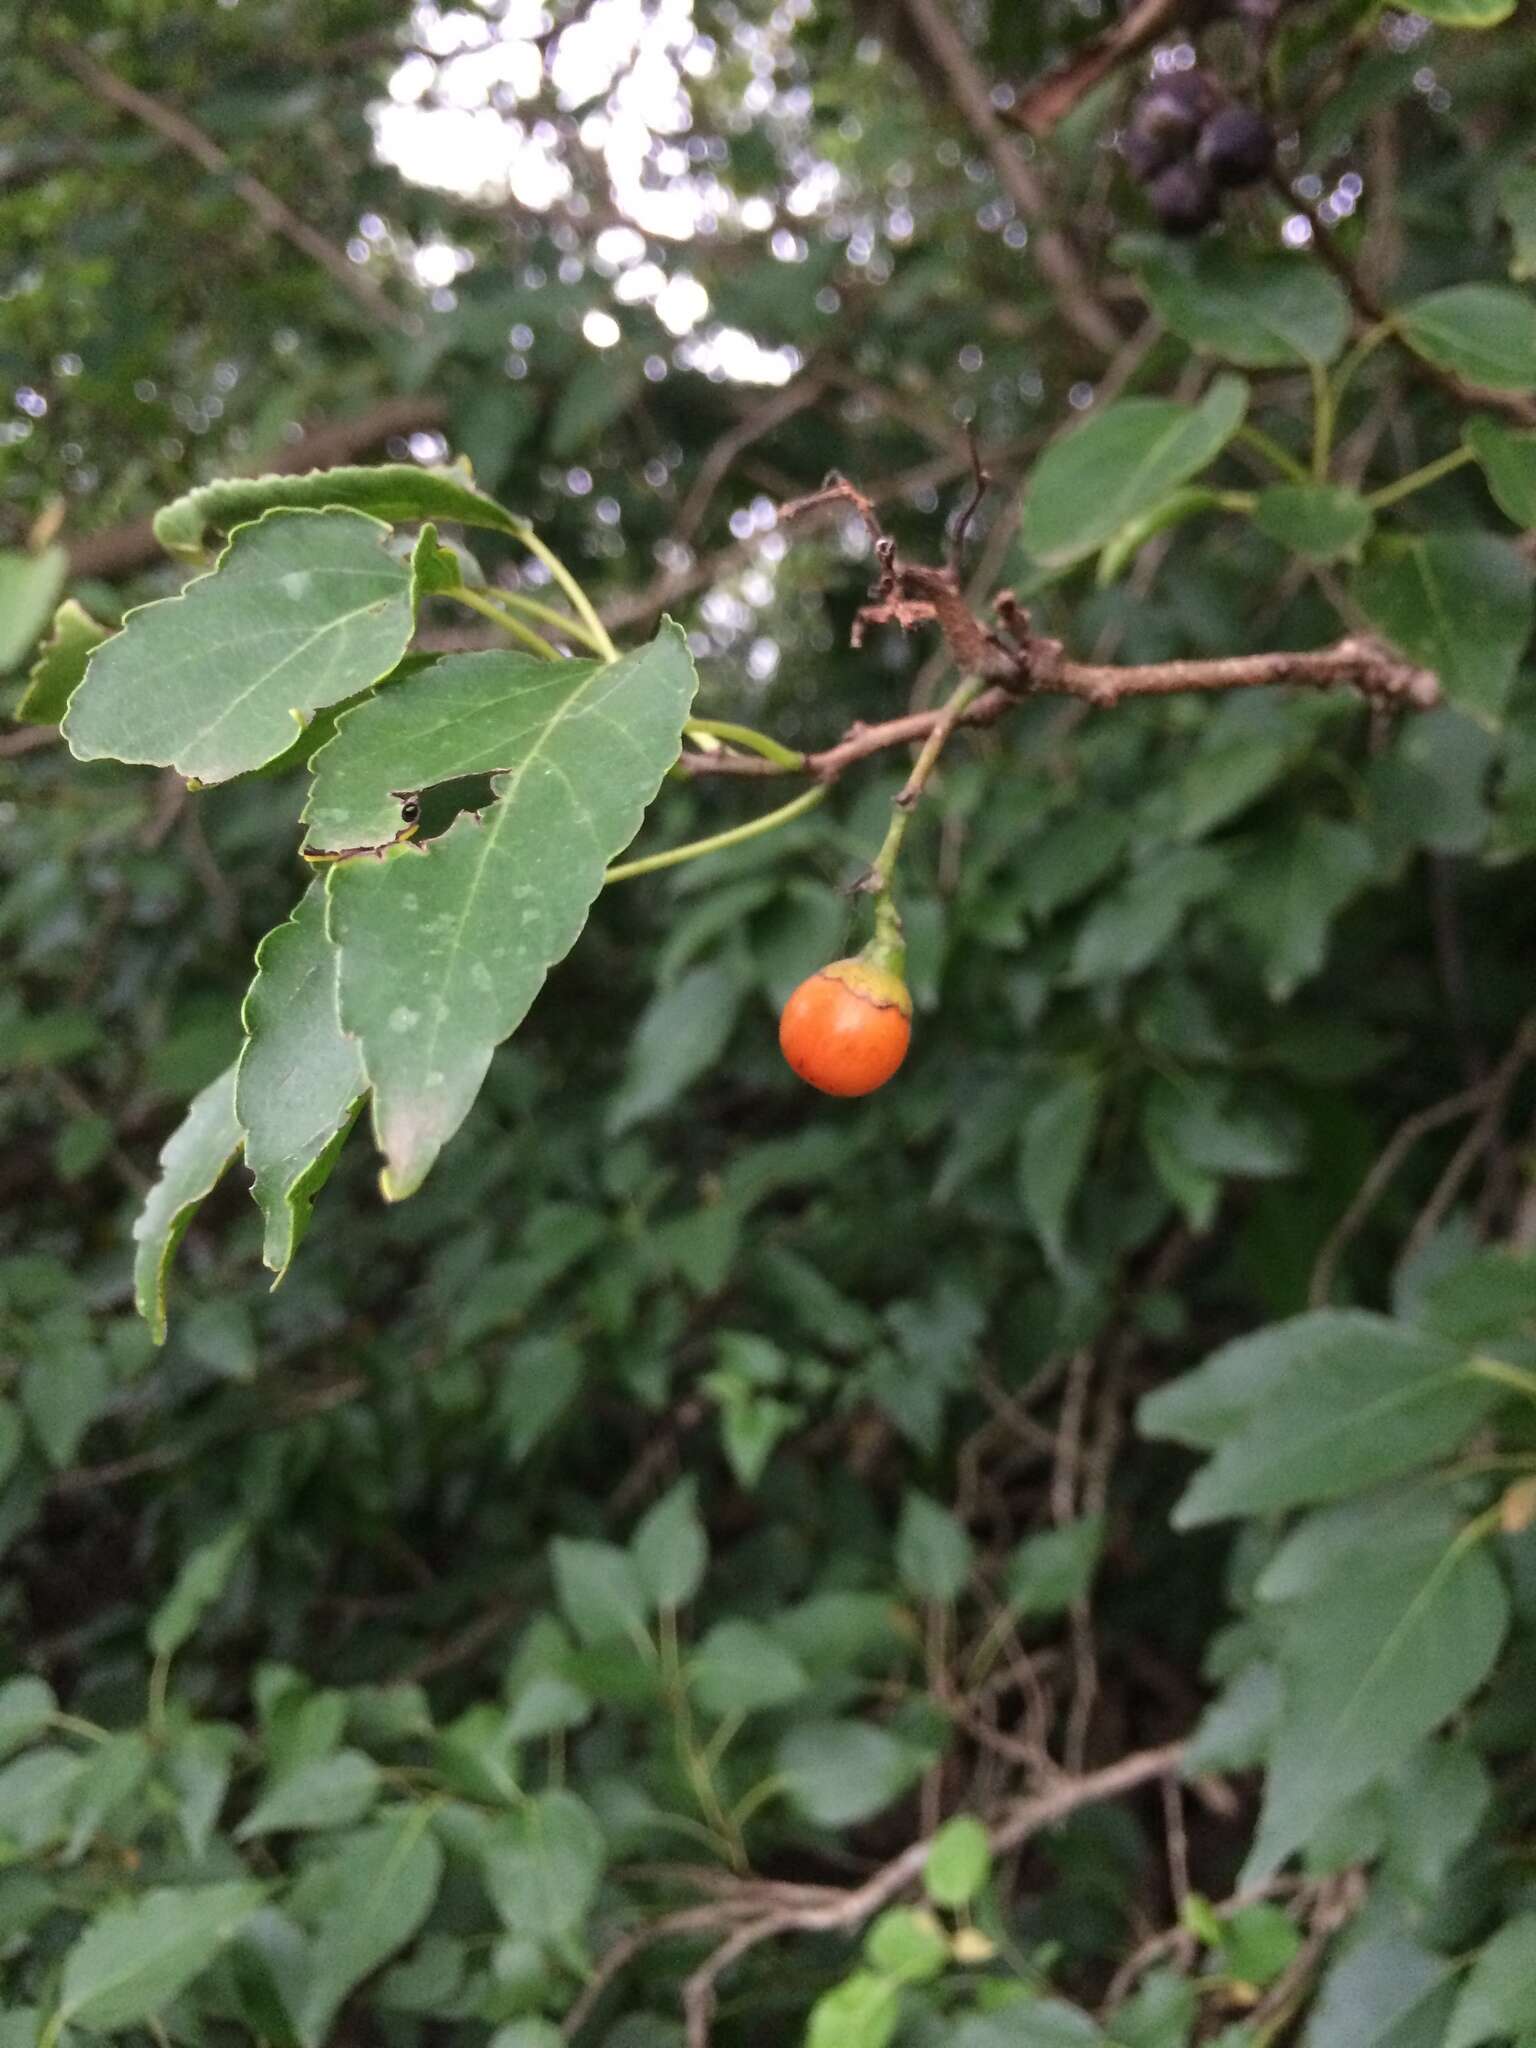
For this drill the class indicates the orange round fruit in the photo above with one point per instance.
(846, 1030)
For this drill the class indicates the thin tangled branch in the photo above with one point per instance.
(801, 1909)
(1018, 663)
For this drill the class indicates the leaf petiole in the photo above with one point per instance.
(717, 842)
(745, 736)
(580, 601)
(546, 614)
(534, 641)
(1419, 479)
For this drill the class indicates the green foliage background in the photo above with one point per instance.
(700, 1492)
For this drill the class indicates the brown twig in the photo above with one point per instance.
(274, 214)
(845, 1911)
(1497, 1088)
(1045, 104)
(1353, 662)
(1490, 1093)
(1059, 264)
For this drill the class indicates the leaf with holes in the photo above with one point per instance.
(303, 610)
(1121, 463)
(300, 1080)
(394, 492)
(445, 946)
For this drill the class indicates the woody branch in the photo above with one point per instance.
(1015, 663)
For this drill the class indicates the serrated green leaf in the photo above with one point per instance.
(542, 1865)
(1517, 203)
(29, 590)
(114, 1772)
(1499, 1996)
(1484, 332)
(327, 1792)
(1261, 312)
(64, 1387)
(1120, 464)
(1384, 1990)
(388, 491)
(300, 1078)
(933, 1551)
(1204, 1407)
(958, 1863)
(599, 1588)
(1320, 521)
(302, 610)
(192, 1161)
(27, 1705)
(1058, 1138)
(908, 1943)
(134, 1959)
(1051, 1571)
(35, 1794)
(1460, 603)
(471, 714)
(1127, 929)
(385, 1881)
(1468, 13)
(838, 1773)
(1508, 461)
(1258, 1942)
(1343, 1420)
(60, 664)
(1373, 1658)
(680, 1036)
(1289, 888)
(740, 1668)
(861, 2012)
(201, 1581)
(444, 948)
(670, 1547)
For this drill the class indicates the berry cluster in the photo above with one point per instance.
(1187, 144)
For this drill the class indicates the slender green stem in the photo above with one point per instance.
(1322, 422)
(1515, 1377)
(884, 864)
(580, 601)
(745, 736)
(1363, 350)
(508, 624)
(159, 1682)
(1418, 479)
(72, 1724)
(547, 615)
(717, 842)
(1278, 457)
(757, 1795)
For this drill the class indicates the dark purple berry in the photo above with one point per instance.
(1166, 121)
(1237, 146)
(1185, 199)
